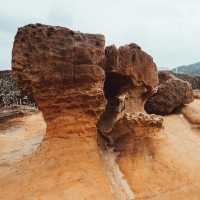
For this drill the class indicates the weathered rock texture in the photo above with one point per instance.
(61, 68)
(130, 69)
(133, 126)
(164, 76)
(64, 71)
(131, 76)
(171, 94)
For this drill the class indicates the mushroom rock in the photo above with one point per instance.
(171, 94)
(62, 69)
(130, 69)
(131, 76)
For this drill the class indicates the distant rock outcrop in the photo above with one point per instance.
(171, 94)
(193, 80)
(10, 94)
(193, 69)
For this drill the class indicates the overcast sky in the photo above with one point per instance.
(169, 30)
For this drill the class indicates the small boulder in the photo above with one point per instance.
(171, 94)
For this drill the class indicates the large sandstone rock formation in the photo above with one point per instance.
(131, 76)
(65, 71)
(61, 68)
(130, 69)
(171, 94)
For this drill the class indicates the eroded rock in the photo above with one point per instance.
(131, 76)
(62, 70)
(136, 125)
(171, 94)
(164, 76)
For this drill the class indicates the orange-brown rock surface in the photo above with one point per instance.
(135, 125)
(131, 76)
(61, 68)
(130, 69)
(164, 76)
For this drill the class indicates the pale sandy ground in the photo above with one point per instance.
(160, 168)
(61, 169)
(166, 168)
(192, 112)
(20, 136)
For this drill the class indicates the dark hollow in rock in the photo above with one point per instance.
(115, 84)
(131, 75)
(116, 87)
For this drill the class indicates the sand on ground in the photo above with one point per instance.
(166, 167)
(158, 168)
(60, 169)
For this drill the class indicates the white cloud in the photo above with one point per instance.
(167, 29)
